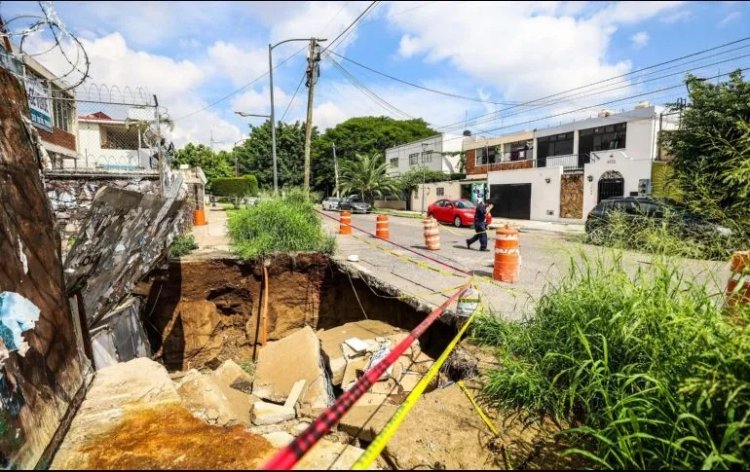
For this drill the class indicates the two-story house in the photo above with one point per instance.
(440, 153)
(109, 144)
(562, 172)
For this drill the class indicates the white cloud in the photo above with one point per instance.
(525, 49)
(729, 18)
(640, 39)
(241, 65)
(678, 16)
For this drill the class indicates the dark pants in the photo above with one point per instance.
(481, 235)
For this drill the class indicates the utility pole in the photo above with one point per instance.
(159, 160)
(336, 169)
(312, 77)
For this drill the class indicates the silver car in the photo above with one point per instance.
(331, 203)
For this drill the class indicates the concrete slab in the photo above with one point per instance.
(284, 362)
(329, 455)
(232, 375)
(264, 413)
(212, 402)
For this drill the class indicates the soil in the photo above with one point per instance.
(171, 438)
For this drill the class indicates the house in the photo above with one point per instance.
(52, 105)
(440, 153)
(108, 144)
(562, 172)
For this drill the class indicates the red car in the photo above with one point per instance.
(456, 212)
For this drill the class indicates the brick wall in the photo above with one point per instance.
(472, 168)
(571, 196)
(59, 137)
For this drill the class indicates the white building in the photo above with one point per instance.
(106, 144)
(576, 165)
(440, 153)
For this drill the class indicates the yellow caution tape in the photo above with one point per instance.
(378, 444)
(478, 408)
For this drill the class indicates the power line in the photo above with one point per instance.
(299, 85)
(428, 89)
(604, 80)
(356, 20)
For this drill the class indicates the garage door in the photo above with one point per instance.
(511, 201)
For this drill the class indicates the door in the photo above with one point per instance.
(611, 184)
(511, 201)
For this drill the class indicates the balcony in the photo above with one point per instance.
(522, 159)
(569, 162)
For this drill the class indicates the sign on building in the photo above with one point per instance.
(40, 104)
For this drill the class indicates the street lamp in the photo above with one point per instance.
(245, 115)
(273, 121)
(236, 160)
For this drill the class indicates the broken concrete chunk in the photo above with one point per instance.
(284, 362)
(354, 369)
(378, 356)
(269, 413)
(279, 439)
(329, 455)
(208, 401)
(357, 345)
(297, 389)
(232, 375)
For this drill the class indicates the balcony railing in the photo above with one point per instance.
(501, 159)
(569, 162)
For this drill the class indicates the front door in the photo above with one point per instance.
(611, 184)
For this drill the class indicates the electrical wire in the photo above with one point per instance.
(299, 85)
(356, 20)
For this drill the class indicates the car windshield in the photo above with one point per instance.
(465, 204)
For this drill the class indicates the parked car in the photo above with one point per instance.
(331, 203)
(456, 212)
(355, 204)
(688, 224)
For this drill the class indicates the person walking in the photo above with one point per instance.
(480, 226)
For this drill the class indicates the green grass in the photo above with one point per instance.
(648, 366)
(182, 245)
(278, 225)
(663, 237)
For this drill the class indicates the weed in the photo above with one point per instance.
(648, 364)
(182, 245)
(279, 224)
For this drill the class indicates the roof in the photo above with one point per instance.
(99, 115)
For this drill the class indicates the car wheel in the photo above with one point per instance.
(457, 222)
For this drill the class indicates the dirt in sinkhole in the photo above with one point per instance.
(170, 437)
(201, 313)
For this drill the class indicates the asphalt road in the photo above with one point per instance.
(546, 258)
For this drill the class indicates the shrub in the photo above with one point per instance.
(279, 224)
(182, 245)
(649, 363)
(245, 186)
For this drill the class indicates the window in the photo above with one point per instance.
(414, 159)
(558, 145)
(62, 112)
(487, 155)
(426, 157)
(394, 162)
(519, 151)
(464, 204)
(119, 138)
(440, 192)
(604, 138)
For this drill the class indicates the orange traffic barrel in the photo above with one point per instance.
(345, 226)
(381, 227)
(507, 255)
(431, 235)
(199, 218)
(738, 266)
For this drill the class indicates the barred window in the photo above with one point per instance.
(63, 111)
(414, 159)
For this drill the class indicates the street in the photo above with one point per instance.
(545, 259)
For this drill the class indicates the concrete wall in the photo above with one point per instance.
(545, 197)
(390, 204)
(438, 144)
(71, 196)
(451, 191)
(42, 376)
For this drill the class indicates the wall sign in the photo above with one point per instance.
(40, 104)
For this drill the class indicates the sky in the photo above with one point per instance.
(498, 54)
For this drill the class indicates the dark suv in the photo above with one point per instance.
(646, 207)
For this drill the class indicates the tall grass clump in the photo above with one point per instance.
(279, 224)
(648, 368)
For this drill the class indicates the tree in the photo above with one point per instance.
(710, 151)
(366, 176)
(363, 135)
(254, 154)
(213, 165)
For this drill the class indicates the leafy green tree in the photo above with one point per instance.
(711, 150)
(363, 135)
(254, 155)
(214, 165)
(366, 176)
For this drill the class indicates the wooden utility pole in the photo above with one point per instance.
(336, 169)
(312, 77)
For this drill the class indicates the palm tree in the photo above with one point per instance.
(366, 175)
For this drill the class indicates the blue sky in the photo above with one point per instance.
(194, 53)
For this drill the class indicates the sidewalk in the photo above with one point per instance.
(522, 225)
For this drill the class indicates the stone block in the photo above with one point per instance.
(230, 374)
(264, 413)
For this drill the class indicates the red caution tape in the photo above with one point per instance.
(291, 454)
(463, 271)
